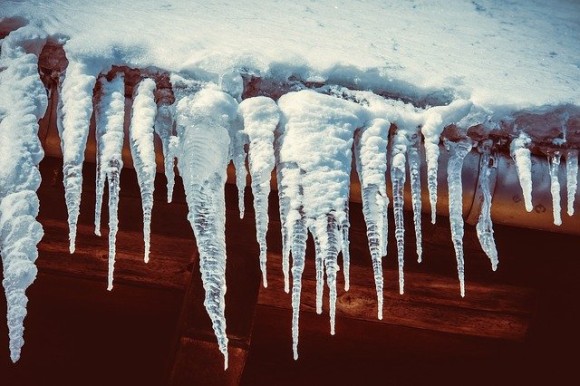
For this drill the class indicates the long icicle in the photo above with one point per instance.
(554, 161)
(414, 160)
(571, 178)
(458, 151)
(109, 119)
(143, 151)
(484, 225)
(398, 176)
(521, 154)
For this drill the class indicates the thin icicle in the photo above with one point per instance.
(458, 151)
(319, 267)
(436, 119)
(164, 128)
(75, 108)
(398, 173)
(371, 163)
(554, 161)
(571, 178)
(109, 120)
(261, 117)
(414, 160)
(484, 225)
(344, 227)
(203, 122)
(239, 140)
(298, 235)
(521, 154)
(143, 151)
(22, 104)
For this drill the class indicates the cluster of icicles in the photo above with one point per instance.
(308, 137)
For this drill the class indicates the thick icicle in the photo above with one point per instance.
(522, 158)
(316, 142)
(203, 122)
(571, 178)
(109, 120)
(143, 152)
(164, 128)
(22, 104)
(371, 163)
(484, 225)
(414, 159)
(75, 108)
(398, 173)
(458, 151)
(554, 161)
(261, 116)
(436, 119)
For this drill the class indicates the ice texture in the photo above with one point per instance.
(314, 159)
(554, 161)
(370, 149)
(414, 160)
(521, 154)
(23, 102)
(143, 152)
(109, 121)
(164, 128)
(571, 178)
(260, 116)
(457, 151)
(484, 227)
(435, 120)
(75, 107)
(203, 122)
(398, 177)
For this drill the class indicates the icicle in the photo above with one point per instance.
(319, 267)
(521, 155)
(484, 225)
(75, 108)
(298, 253)
(571, 178)
(109, 120)
(398, 161)
(143, 152)
(371, 164)
(554, 161)
(164, 129)
(203, 121)
(239, 140)
(436, 119)
(261, 116)
(458, 151)
(22, 104)
(414, 159)
(316, 146)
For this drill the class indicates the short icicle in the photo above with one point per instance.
(458, 151)
(261, 117)
(571, 178)
(484, 225)
(109, 120)
(143, 151)
(521, 155)
(554, 161)
(164, 128)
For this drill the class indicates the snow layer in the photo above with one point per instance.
(492, 52)
(23, 102)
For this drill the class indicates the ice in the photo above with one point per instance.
(239, 140)
(370, 149)
(571, 178)
(398, 175)
(484, 225)
(414, 160)
(436, 119)
(203, 123)
(521, 154)
(143, 151)
(458, 151)
(23, 102)
(164, 128)
(554, 161)
(74, 115)
(315, 151)
(261, 117)
(109, 121)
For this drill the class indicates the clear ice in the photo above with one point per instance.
(571, 178)
(521, 154)
(398, 176)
